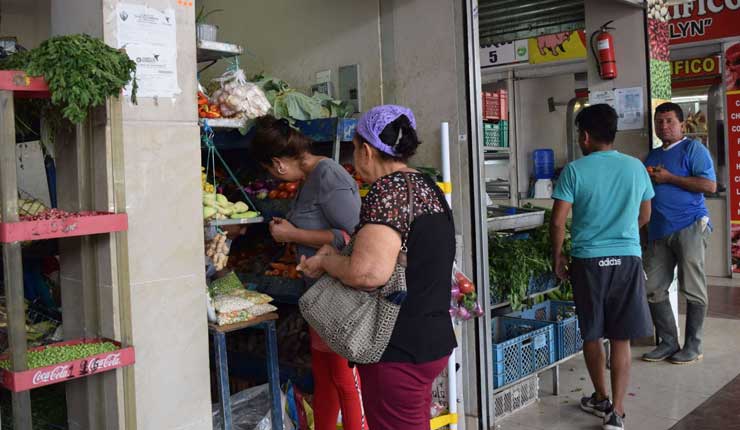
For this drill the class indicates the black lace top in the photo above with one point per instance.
(423, 331)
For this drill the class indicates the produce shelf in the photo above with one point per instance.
(223, 122)
(82, 224)
(255, 220)
(502, 218)
(328, 129)
(67, 370)
(211, 51)
(22, 85)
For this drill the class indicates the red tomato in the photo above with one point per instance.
(282, 195)
(272, 195)
(466, 287)
(291, 187)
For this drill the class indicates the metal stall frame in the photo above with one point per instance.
(478, 221)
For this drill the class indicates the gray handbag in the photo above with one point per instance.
(358, 324)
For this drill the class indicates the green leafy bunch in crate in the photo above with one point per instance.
(514, 261)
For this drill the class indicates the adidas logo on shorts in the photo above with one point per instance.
(608, 262)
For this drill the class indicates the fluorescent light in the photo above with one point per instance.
(689, 99)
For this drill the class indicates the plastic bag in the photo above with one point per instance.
(464, 303)
(237, 96)
(250, 410)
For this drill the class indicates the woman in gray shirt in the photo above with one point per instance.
(326, 210)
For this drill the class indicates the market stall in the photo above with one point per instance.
(37, 352)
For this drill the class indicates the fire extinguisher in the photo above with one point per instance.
(603, 51)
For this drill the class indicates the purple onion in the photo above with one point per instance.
(453, 312)
(463, 313)
(478, 310)
(455, 294)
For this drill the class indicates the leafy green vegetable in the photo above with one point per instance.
(81, 72)
(513, 260)
(293, 105)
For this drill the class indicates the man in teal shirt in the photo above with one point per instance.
(609, 194)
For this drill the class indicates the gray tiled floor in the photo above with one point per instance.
(659, 395)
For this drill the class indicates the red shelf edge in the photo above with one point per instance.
(84, 225)
(22, 85)
(68, 370)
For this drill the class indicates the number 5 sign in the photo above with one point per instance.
(499, 54)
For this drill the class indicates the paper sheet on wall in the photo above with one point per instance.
(598, 97)
(630, 108)
(149, 36)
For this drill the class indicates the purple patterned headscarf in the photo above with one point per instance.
(374, 122)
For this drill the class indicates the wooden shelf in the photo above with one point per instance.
(83, 224)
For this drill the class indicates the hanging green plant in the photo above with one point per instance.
(81, 71)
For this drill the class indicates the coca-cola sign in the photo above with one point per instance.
(39, 377)
(47, 375)
(97, 364)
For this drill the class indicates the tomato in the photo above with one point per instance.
(466, 287)
(282, 195)
(291, 187)
(272, 195)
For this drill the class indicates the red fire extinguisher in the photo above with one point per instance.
(603, 51)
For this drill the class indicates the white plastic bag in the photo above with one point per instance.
(237, 96)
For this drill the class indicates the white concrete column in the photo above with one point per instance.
(165, 244)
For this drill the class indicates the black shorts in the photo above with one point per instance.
(610, 298)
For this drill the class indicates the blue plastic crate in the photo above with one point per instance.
(520, 348)
(541, 283)
(562, 316)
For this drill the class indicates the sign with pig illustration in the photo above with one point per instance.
(557, 47)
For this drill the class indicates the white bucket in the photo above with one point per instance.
(206, 32)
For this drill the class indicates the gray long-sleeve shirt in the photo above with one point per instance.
(328, 200)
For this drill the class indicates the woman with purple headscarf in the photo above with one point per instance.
(397, 390)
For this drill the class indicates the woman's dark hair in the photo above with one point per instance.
(670, 107)
(276, 138)
(600, 121)
(406, 146)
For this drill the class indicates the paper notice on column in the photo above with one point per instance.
(149, 37)
(630, 108)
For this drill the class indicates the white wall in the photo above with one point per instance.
(629, 42)
(536, 126)
(293, 40)
(27, 20)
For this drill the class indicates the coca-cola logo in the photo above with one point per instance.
(55, 374)
(111, 360)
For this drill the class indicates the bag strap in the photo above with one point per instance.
(411, 216)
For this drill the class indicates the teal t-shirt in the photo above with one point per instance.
(606, 189)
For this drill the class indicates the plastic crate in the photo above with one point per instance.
(562, 316)
(504, 133)
(491, 106)
(520, 348)
(516, 397)
(491, 134)
(541, 283)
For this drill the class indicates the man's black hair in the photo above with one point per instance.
(600, 121)
(670, 107)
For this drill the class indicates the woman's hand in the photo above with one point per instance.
(312, 267)
(327, 250)
(282, 230)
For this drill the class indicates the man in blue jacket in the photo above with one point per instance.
(609, 194)
(679, 228)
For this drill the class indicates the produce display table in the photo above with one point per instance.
(264, 322)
